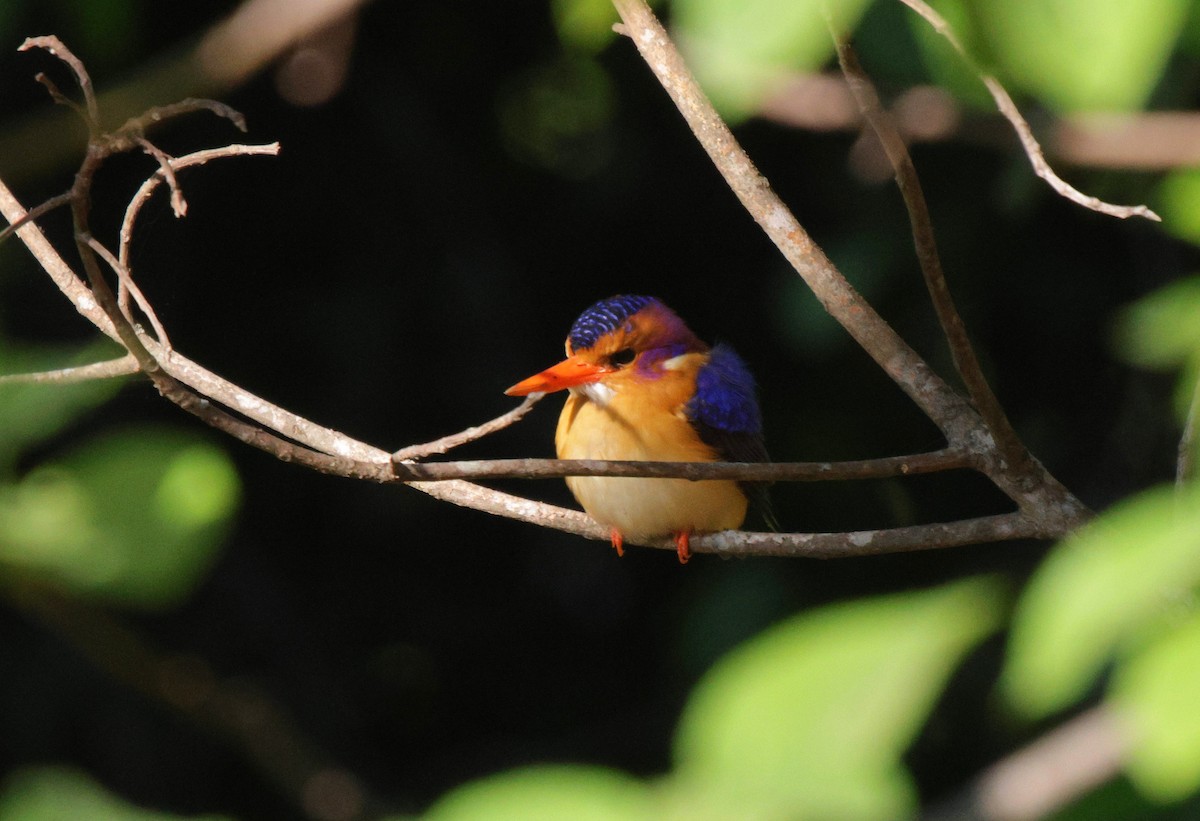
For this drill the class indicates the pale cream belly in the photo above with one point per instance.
(644, 508)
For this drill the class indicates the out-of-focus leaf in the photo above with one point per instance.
(584, 24)
(55, 794)
(1156, 691)
(810, 719)
(31, 412)
(106, 28)
(1162, 330)
(556, 115)
(1095, 592)
(548, 793)
(944, 64)
(1178, 201)
(134, 518)
(1084, 55)
(741, 50)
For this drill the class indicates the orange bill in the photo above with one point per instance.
(566, 374)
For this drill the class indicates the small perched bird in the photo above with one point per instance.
(644, 387)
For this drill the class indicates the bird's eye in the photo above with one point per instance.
(623, 357)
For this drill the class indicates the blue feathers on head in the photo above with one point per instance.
(604, 317)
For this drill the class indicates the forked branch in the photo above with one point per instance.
(1044, 509)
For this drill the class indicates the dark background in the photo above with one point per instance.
(403, 261)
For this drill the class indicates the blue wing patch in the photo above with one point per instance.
(724, 412)
(725, 399)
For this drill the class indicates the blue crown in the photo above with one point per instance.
(603, 318)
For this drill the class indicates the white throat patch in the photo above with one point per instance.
(596, 392)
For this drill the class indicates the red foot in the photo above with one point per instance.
(618, 541)
(681, 547)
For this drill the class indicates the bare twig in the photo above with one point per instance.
(913, 465)
(129, 286)
(1009, 109)
(160, 113)
(178, 203)
(178, 164)
(122, 366)
(470, 434)
(90, 112)
(1012, 450)
(39, 211)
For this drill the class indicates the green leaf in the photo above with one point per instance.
(32, 411)
(944, 64)
(54, 794)
(810, 719)
(1084, 55)
(1178, 201)
(741, 50)
(134, 518)
(586, 25)
(1162, 330)
(1156, 692)
(550, 793)
(1098, 590)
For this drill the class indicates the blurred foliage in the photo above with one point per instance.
(548, 793)
(741, 50)
(1162, 331)
(1178, 202)
(810, 719)
(133, 517)
(1099, 591)
(36, 411)
(57, 794)
(1123, 591)
(1083, 55)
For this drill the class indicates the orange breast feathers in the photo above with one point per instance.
(647, 422)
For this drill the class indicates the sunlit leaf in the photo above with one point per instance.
(810, 719)
(1178, 202)
(741, 50)
(1084, 55)
(135, 517)
(548, 793)
(1156, 691)
(55, 794)
(1096, 591)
